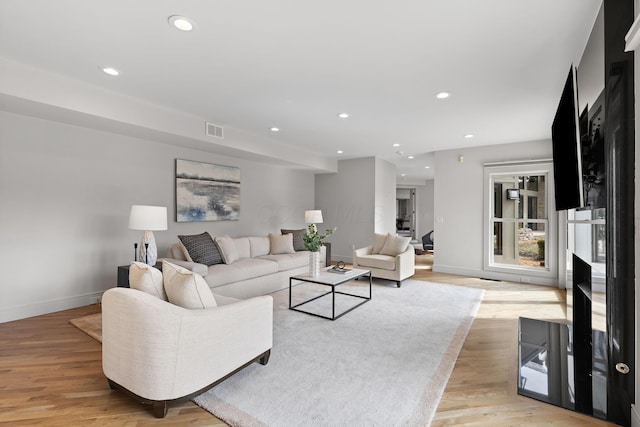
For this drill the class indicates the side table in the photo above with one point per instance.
(123, 274)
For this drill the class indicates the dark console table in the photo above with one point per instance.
(123, 274)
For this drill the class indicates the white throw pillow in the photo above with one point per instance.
(395, 245)
(147, 279)
(378, 242)
(281, 244)
(186, 288)
(227, 249)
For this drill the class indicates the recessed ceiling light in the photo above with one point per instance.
(339, 151)
(396, 145)
(181, 23)
(403, 174)
(343, 115)
(469, 135)
(427, 167)
(410, 157)
(274, 129)
(110, 70)
(443, 95)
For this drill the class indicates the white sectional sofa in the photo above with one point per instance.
(256, 272)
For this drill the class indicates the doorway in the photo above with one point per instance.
(406, 212)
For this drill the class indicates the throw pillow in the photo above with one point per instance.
(185, 252)
(201, 248)
(298, 238)
(227, 249)
(186, 288)
(395, 245)
(147, 279)
(281, 244)
(378, 242)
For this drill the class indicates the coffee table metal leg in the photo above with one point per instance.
(333, 305)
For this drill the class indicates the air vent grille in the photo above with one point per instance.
(215, 130)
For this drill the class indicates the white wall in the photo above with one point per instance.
(359, 199)
(385, 191)
(459, 203)
(65, 196)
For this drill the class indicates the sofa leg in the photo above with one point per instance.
(160, 408)
(112, 385)
(264, 359)
(398, 283)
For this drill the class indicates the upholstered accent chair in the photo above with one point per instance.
(159, 353)
(389, 257)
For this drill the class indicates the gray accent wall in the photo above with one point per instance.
(65, 196)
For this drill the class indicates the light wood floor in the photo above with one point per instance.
(50, 372)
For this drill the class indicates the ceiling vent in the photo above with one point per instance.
(215, 131)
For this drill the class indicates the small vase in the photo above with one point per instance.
(314, 264)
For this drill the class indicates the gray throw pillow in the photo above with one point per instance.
(201, 248)
(298, 241)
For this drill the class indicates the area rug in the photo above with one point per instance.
(90, 325)
(384, 364)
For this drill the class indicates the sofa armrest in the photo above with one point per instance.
(197, 268)
(362, 251)
(160, 351)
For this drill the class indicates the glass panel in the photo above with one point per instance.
(497, 238)
(531, 245)
(589, 243)
(497, 200)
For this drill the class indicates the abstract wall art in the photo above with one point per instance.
(207, 192)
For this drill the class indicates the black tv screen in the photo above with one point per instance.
(565, 136)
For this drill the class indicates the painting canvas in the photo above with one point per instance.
(207, 192)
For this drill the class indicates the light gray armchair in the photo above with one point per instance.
(396, 268)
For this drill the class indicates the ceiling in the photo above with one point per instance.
(256, 64)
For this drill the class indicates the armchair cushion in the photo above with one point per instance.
(185, 288)
(378, 242)
(395, 245)
(384, 262)
(147, 279)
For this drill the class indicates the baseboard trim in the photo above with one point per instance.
(494, 275)
(635, 416)
(50, 306)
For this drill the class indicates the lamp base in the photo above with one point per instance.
(148, 250)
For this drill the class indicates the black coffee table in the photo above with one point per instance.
(333, 280)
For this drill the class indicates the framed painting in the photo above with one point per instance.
(207, 192)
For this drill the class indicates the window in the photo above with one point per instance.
(519, 231)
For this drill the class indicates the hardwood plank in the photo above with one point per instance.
(51, 373)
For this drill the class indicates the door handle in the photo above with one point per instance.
(623, 368)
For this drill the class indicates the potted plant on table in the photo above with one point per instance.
(312, 242)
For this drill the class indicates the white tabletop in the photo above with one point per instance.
(332, 278)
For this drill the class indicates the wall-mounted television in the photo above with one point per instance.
(567, 160)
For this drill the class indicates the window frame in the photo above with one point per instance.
(545, 168)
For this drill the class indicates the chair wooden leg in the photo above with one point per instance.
(160, 408)
(264, 359)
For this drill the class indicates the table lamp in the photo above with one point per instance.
(313, 217)
(148, 219)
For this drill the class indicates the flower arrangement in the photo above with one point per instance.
(313, 240)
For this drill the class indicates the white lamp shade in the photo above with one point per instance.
(313, 217)
(148, 218)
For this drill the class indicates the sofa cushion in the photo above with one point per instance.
(227, 249)
(378, 242)
(243, 269)
(201, 248)
(243, 247)
(298, 238)
(281, 244)
(395, 245)
(383, 262)
(185, 288)
(289, 261)
(147, 279)
(260, 245)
